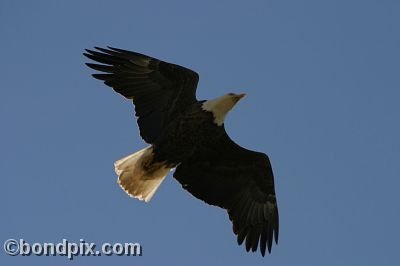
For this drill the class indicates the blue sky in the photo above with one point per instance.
(323, 89)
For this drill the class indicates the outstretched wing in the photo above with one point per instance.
(240, 181)
(158, 89)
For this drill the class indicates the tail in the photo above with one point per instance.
(139, 176)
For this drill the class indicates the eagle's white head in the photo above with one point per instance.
(221, 106)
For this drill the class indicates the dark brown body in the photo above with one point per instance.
(189, 132)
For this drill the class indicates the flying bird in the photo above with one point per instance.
(189, 136)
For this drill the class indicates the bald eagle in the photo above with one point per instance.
(189, 136)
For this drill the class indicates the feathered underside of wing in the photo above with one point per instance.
(158, 89)
(240, 181)
(257, 222)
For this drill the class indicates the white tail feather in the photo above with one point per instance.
(138, 176)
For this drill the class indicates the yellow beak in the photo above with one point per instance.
(240, 96)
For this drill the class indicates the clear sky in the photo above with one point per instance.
(323, 89)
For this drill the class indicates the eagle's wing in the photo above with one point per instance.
(240, 181)
(158, 89)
